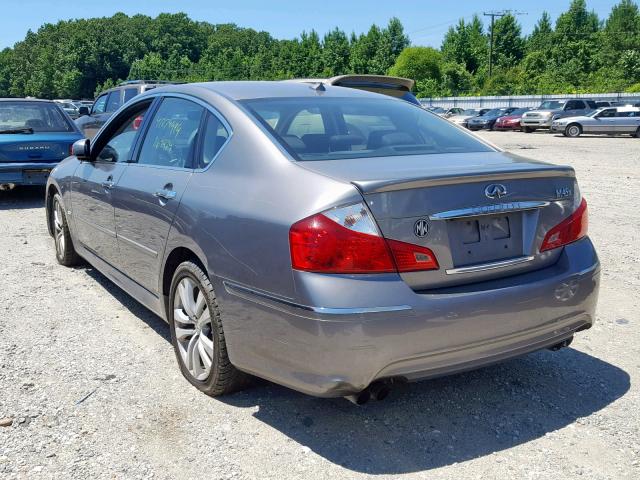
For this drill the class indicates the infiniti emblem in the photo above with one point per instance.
(495, 190)
(421, 228)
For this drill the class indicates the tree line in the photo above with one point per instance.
(579, 53)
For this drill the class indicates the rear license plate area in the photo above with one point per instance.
(484, 239)
(35, 176)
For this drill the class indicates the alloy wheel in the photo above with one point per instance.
(193, 328)
(58, 227)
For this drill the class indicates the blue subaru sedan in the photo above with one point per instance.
(34, 136)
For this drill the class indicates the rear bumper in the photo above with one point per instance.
(26, 173)
(341, 350)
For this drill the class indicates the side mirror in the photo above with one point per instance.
(83, 111)
(82, 149)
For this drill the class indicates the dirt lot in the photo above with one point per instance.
(89, 382)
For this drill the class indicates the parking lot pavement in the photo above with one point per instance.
(89, 386)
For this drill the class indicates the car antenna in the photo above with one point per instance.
(319, 87)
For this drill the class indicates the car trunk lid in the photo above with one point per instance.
(482, 214)
(36, 147)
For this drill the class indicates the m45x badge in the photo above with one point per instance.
(563, 192)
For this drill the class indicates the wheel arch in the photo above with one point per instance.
(173, 259)
(576, 124)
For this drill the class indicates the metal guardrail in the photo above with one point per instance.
(523, 100)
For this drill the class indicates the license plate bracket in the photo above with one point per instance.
(486, 238)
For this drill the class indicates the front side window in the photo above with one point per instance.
(100, 104)
(172, 135)
(608, 112)
(317, 128)
(118, 147)
(32, 116)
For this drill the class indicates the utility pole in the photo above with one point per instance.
(493, 16)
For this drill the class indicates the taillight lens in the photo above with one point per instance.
(346, 240)
(572, 228)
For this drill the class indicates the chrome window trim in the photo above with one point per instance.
(489, 266)
(488, 210)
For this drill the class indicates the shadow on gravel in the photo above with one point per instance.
(136, 308)
(439, 422)
(430, 424)
(22, 198)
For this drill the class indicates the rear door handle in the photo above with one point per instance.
(167, 192)
(109, 183)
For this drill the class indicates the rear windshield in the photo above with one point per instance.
(320, 128)
(39, 116)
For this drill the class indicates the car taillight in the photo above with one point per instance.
(572, 228)
(71, 149)
(346, 240)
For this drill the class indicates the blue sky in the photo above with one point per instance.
(426, 21)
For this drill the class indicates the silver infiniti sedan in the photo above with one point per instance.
(332, 240)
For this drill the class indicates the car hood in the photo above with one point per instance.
(376, 173)
(508, 118)
(540, 110)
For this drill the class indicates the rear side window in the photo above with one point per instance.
(215, 136)
(100, 104)
(574, 105)
(113, 102)
(172, 136)
(129, 93)
(318, 128)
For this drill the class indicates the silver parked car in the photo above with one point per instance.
(331, 240)
(609, 121)
(551, 110)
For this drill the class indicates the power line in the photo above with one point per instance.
(493, 16)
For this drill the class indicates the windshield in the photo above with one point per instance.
(320, 128)
(494, 112)
(519, 111)
(470, 112)
(551, 105)
(32, 116)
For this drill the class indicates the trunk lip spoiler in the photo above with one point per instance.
(381, 186)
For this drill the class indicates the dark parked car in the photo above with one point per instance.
(488, 120)
(34, 136)
(511, 121)
(332, 240)
(91, 119)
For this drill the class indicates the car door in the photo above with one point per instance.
(625, 122)
(94, 183)
(605, 121)
(149, 192)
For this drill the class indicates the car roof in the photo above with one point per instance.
(246, 90)
(34, 100)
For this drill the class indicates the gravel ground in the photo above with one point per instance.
(89, 386)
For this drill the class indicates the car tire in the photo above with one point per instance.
(573, 130)
(65, 252)
(527, 129)
(197, 334)
(637, 135)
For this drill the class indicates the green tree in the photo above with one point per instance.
(418, 63)
(508, 44)
(335, 53)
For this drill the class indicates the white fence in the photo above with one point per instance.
(523, 100)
